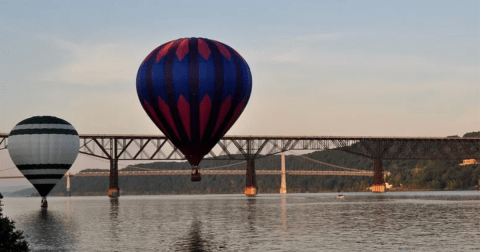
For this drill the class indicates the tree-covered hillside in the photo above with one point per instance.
(472, 134)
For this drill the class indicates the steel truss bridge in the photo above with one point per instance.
(153, 147)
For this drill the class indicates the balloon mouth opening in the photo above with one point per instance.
(193, 158)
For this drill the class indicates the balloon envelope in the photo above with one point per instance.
(43, 148)
(194, 89)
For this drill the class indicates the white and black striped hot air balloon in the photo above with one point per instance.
(43, 148)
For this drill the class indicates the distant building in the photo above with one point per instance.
(417, 170)
(468, 162)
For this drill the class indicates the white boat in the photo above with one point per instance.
(340, 196)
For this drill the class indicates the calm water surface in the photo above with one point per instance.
(400, 221)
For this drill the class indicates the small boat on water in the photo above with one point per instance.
(340, 196)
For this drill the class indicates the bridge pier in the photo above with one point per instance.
(113, 189)
(378, 185)
(283, 186)
(251, 181)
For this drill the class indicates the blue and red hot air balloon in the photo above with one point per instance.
(194, 89)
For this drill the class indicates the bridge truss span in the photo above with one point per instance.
(3, 141)
(228, 148)
(155, 147)
(417, 148)
(144, 147)
(147, 147)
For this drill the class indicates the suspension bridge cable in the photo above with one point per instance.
(103, 160)
(151, 169)
(125, 166)
(8, 169)
(142, 168)
(229, 165)
(242, 162)
(223, 166)
(327, 164)
(217, 167)
(209, 168)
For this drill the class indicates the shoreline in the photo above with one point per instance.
(130, 193)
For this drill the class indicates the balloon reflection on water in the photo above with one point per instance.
(194, 240)
(48, 231)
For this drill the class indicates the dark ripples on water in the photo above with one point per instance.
(409, 221)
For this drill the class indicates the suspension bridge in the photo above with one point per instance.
(319, 169)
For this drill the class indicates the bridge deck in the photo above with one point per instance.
(230, 172)
(11, 177)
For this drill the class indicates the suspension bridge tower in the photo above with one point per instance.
(69, 192)
(283, 186)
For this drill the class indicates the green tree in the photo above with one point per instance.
(472, 134)
(10, 239)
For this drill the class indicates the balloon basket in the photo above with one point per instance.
(44, 203)
(195, 176)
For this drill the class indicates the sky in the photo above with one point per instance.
(324, 68)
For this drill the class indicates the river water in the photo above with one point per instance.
(393, 221)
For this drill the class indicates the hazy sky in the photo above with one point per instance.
(383, 68)
(348, 68)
